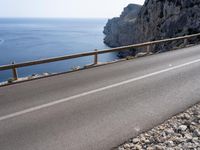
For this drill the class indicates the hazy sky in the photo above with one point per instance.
(64, 8)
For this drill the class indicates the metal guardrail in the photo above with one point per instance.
(14, 66)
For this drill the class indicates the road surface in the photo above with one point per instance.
(99, 108)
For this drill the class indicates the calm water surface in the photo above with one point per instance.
(29, 39)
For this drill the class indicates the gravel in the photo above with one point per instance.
(181, 132)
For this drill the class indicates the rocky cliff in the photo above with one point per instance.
(119, 30)
(156, 19)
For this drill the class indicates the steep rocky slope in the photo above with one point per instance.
(156, 19)
(119, 30)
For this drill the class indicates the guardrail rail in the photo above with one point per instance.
(95, 53)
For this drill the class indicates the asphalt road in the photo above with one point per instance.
(99, 108)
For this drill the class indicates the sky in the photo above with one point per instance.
(63, 8)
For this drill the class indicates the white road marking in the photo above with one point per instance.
(95, 91)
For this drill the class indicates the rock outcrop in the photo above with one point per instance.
(119, 30)
(156, 19)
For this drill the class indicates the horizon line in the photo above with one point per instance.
(55, 17)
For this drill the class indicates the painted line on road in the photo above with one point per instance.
(29, 110)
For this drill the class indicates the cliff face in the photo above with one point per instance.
(119, 30)
(157, 19)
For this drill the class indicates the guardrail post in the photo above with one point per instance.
(185, 42)
(14, 70)
(96, 57)
(148, 49)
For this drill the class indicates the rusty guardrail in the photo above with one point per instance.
(14, 66)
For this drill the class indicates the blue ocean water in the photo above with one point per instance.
(30, 39)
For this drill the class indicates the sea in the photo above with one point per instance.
(25, 39)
